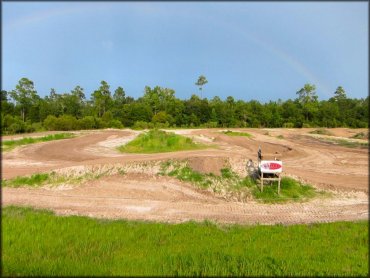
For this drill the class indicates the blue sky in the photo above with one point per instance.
(249, 50)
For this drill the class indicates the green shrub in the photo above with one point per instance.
(66, 122)
(17, 127)
(288, 125)
(360, 124)
(86, 122)
(7, 121)
(209, 125)
(107, 117)
(12, 125)
(162, 117)
(115, 124)
(38, 127)
(50, 122)
(29, 127)
(99, 123)
(162, 125)
(138, 125)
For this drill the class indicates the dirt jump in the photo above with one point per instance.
(144, 195)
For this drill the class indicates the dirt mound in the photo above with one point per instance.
(347, 132)
(207, 165)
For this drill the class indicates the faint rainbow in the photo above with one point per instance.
(283, 55)
(45, 14)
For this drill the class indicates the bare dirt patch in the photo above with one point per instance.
(207, 165)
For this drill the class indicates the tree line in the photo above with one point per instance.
(23, 110)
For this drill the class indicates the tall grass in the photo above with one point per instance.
(156, 141)
(11, 144)
(33, 180)
(38, 243)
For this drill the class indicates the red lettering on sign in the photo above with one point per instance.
(271, 166)
(275, 166)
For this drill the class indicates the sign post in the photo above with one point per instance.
(269, 170)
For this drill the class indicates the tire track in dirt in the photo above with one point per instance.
(324, 165)
(160, 199)
(128, 197)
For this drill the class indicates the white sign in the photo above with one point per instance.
(271, 166)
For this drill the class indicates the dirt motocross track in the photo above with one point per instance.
(143, 195)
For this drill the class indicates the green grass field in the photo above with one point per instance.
(157, 141)
(38, 243)
(11, 144)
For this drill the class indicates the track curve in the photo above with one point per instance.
(324, 165)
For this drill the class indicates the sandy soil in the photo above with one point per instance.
(149, 197)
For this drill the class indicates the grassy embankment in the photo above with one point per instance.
(11, 144)
(157, 141)
(231, 184)
(228, 184)
(349, 143)
(361, 135)
(237, 133)
(38, 243)
(321, 131)
(55, 179)
(345, 142)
